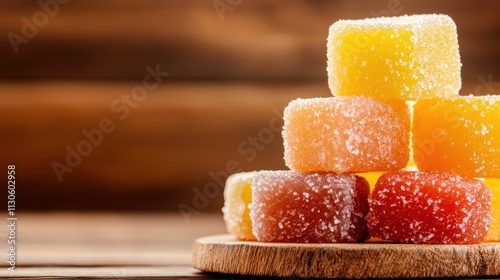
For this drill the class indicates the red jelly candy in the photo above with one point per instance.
(307, 207)
(429, 207)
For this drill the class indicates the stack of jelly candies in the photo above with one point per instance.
(396, 154)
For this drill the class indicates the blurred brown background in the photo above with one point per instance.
(68, 66)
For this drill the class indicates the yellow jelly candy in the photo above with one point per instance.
(494, 233)
(406, 57)
(459, 135)
(371, 177)
(237, 198)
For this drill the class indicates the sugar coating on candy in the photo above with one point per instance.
(346, 134)
(237, 198)
(494, 233)
(406, 57)
(459, 135)
(304, 207)
(429, 207)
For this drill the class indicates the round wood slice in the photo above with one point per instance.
(373, 259)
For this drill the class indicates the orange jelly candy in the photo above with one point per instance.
(346, 134)
(459, 135)
(429, 207)
(304, 207)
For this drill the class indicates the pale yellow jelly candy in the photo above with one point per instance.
(406, 57)
(237, 198)
(494, 233)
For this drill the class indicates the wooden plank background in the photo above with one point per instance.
(255, 39)
(228, 78)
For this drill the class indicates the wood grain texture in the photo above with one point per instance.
(260, 39)
(109, 239)
(116, 272)
(222, 253)
(70, 245)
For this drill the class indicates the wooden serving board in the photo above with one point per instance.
(373, 259)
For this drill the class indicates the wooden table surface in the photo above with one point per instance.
(110, 245)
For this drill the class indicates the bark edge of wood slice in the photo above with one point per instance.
(224, 254)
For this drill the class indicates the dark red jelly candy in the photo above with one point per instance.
(429, 207)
